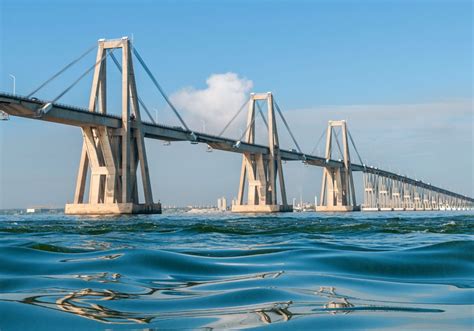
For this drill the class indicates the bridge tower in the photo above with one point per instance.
(337, 188)
(111, 156)
(260, 171)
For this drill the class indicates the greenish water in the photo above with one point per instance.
(294, 271)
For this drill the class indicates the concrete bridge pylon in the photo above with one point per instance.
(110, 157)
(337, 188)
(261, 173)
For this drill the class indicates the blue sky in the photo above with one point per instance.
(311, 54)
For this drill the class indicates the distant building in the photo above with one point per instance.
(32, 210)
(222, 204)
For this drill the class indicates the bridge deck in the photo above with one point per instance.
(64, 114)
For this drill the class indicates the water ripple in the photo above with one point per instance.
(299, 271)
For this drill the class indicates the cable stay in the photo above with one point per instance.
(253, 121)
(313, 151)
(261, 114)
(47, 107)
(245, 132)
(160, 89)
(353, 145)
(234, 117)
(336, 138)
(61, 71)
(119, 67)
(286, 125)
(355, 148)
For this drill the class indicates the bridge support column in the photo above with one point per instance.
(427, 199)
(337, 188)
(419, 198)
(262, 172)
(407, 197)
(370, 192)
(385, 202)
(112, 156)
(396, 197)
(435, 201)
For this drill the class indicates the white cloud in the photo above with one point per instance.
(215, 104)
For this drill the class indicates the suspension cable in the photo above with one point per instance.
(82, 76)
(355, 148)
(61, 71)
(234, 117)
(119, 67)
(160, 89)
(286, 125)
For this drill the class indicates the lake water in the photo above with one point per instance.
(297, 271)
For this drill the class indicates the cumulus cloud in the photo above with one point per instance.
(215, 104)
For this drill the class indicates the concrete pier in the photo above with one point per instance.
(111, 157)
(262, 208)
(383, 194)
(111, 208)
(260, 173)
(337, 188)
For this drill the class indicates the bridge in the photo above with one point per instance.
(114, 151)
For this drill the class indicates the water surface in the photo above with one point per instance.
(381, 271)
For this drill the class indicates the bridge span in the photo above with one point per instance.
(114, 148)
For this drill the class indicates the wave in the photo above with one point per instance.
(237, 272)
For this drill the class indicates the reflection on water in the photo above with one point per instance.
(335, 307)
(300, 272)
(190, 284)
(102, 277)
(104, 257)
(77, 303)
(338, 306)
(92, 304)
